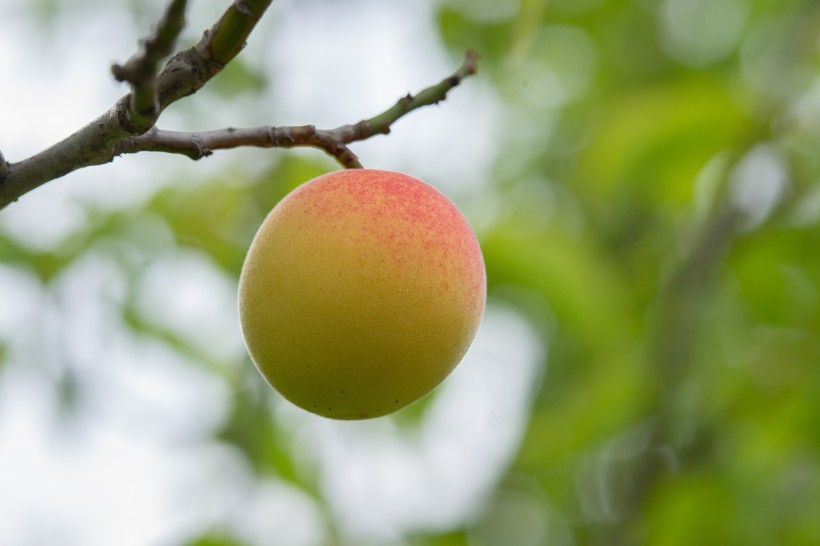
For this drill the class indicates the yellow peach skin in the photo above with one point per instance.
(360, 293)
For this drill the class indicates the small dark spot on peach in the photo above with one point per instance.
(397, 401)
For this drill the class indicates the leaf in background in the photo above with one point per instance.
(216, 539)
(459, 32)
(778, 279)
(596, 383)
(267, 446)
(454, 538)
(585, 293)
(238, 78)
(694, 508)
(651, 142)
(530, 18)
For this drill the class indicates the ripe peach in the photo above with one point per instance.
(361, 291)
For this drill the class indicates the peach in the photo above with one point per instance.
(360, 293)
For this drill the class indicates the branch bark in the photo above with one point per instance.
(197, 145)
(129, 126)
(141, 69)
(4, 168)
(184, 74)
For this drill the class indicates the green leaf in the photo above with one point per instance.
(238, 78)
(491, 39)
(216, 539)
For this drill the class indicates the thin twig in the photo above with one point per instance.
(141, 69)
(432, 95)
(187, 71)
(117, 132)
(183, 74)
(197, 145)
(227, 37)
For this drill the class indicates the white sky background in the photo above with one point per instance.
(137, 467)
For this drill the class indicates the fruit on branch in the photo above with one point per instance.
(360, 293)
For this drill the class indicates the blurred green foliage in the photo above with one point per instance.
(682, 401)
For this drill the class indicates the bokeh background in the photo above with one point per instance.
(643, 178)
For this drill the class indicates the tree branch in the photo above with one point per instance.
(432, 95)
(4, 168)
(184, 74)
(187, 71)
(227, 37)
(128, 126)
(141, 69)
(197, 145)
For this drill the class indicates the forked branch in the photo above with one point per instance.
(141, 69)
(333, 141)
(129, 125)
(183, 74)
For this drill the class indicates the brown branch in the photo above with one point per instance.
(187, 71)
(119, 131)
(197, 145)
(184, 74)
(431, 95)
(141, 69)
(4, 168)
(202, 144)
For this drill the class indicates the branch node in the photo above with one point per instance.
(333, 141)
(183, 74)
(119, 72)
(361, 129)
(4, 168)
(286, 136)
(243, 8)
(129, 126)
(470, 66)
(347, 157)
(141, 69)
(201, 150)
